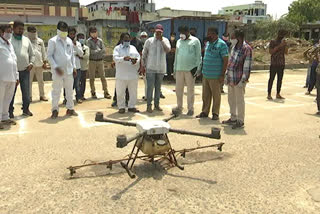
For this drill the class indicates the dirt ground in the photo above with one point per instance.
(270, 166)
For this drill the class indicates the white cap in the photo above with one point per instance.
(143, 33)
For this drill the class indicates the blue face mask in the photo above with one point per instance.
(126, 44)
(82, 41)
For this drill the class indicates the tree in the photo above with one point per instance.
(303, 11)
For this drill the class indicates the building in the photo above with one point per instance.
(311, 31)
(246, 14)
(165, 13)
(45, 14)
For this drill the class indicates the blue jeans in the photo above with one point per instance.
(76, 85)
(154, 81)
(313, 76)
(24, 78)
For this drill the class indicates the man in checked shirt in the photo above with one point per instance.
(238, 73)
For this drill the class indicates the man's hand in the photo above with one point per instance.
(283, 43)
(134, 61)
(142, 71)
(29, 67)
(74, 73)
(221, 79)
(127, 58)
(17, 83)
(197, 74)
(241, 84)
(159, 37)
(44, 66)
(59, 71)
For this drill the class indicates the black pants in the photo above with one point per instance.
(313, 76)
(24, 78)
(279, 71)
(170, 63)
(83, 81)
(318, 90)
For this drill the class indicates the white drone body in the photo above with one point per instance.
(153, 127)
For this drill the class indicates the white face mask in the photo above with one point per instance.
(32, 36)
(126, 44)
(143, 40)
(234, 42)
(183, 36)
(7, 36)
(62, 34)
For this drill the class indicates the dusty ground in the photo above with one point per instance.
(271, 166)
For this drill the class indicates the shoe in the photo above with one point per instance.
(71, 112)
(222, 91)
(144, 98)
(176, 111)
(149, 109)
(215, 117)
(30, 99)
(107, 96)
(43, 99)
(27, 113)
(280, 97)
(9, 122)
(157, 108)
(83, 99)
(190, 113)
(269, 97)
(162, 96)
(202, 115)
(55, 114)
(238, 125)
(308, 93)
(11, 115)
(114, 104)
(305, 86)
(134, 110)
(79, 101)
(229, 122)
(64, 102)
(94, 96)
(122, 111)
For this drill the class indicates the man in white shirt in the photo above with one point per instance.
(39, 63)
(127, 61)
(9, 75)
(25, 61)
(63, 69)
(77, 51)
(154, 60)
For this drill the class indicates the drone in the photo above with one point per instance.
(152, 140)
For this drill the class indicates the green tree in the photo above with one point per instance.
(302, 11)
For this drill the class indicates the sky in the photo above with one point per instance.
(276, 8)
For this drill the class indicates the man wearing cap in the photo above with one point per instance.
(155, 63)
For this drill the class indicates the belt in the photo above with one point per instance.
(96, 60)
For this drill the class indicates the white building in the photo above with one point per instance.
(133, 5)
(247, 14)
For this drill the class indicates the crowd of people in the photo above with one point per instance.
(72, 58)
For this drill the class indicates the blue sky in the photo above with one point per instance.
(276, 8)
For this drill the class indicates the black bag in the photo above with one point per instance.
(194, 71)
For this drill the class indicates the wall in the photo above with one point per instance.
(168, 13)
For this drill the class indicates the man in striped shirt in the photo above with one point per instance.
(238, 73)
(215, 63)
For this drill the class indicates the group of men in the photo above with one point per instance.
(71, 57)
(216, 67)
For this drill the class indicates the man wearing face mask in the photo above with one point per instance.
(143, 38)
(171, 56)
(96, 63)
(78, 52)
(63, 68)
(25, 60)
(278, 48)
(187, 66)
(127, 61)
(84, 62)
(238, 73)
(154, 60)
(40, 61)
(215, 63)
(9, 76)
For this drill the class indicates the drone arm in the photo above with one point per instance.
(170, 118)
(100, 118)
(215, 133)
(123, 141)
